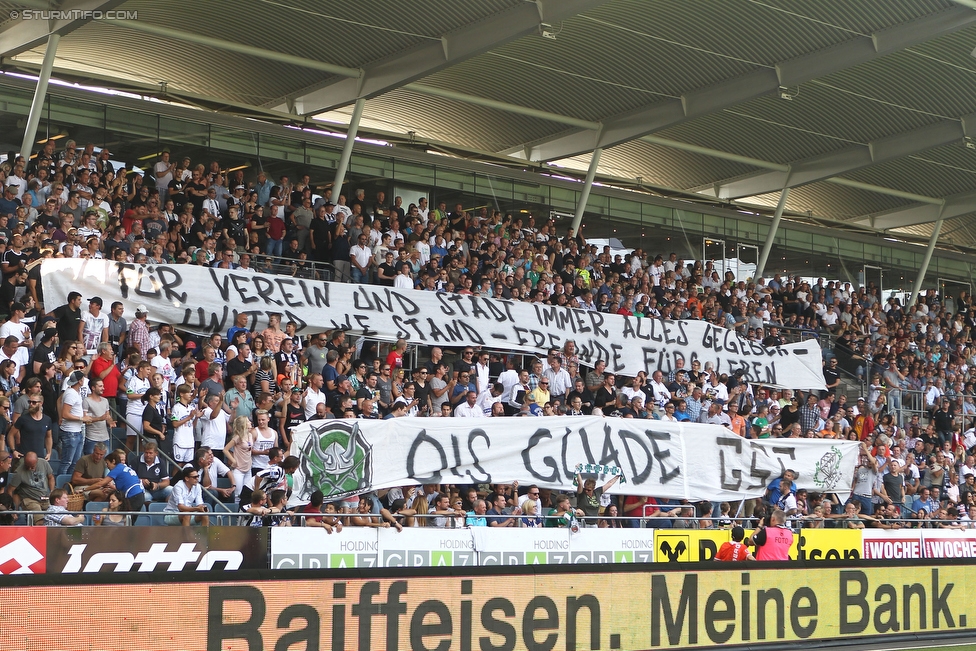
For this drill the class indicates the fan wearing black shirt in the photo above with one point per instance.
(14, 259)
(387, 271)
(69, 318)
(239, 365)
(586, 397)
(606, 394)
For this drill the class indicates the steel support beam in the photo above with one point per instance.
(910, 196)
(22, 35)
(340, 177)
(883, 147)
(40, 92)
(955, 205)
(237, 48)
(697, 103)
(585, 194)
(714, 153)
(771, 236)
(824, 166)
(920, 278)
(427, 58)
(501, 106)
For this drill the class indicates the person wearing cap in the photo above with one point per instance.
(96, 326)
(139, 332)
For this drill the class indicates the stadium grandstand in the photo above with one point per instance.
(788, 172)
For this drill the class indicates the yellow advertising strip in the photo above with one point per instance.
(745, 604)
(689, 546)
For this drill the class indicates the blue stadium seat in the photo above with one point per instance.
(153, 520)
(94, 507)
(118, 438)
(55, 458)
(61, 480)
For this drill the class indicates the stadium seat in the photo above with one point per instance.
(61, 480)
(93, 507)
(154, 520)
(55, 458)
(118, 438)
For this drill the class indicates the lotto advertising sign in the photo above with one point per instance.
(23, 550)
(509, 610)
(93, 550)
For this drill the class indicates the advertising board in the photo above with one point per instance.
(919, 543)
(499, 609)
(92, 550)
(691, 546)
(313, 548)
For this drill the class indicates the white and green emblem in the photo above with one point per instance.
(337, 460)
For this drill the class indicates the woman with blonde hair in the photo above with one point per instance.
(531, 517)
(420, 505)
(237, 453)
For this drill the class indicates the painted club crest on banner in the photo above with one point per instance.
(337, 460)
(828, 472)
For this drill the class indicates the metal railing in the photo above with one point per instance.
(237, 518)
(285, 266)
(173, 463)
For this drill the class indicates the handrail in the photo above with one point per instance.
(281, 265)
(745, 522)
(174, 464)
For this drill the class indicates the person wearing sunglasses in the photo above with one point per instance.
(185, 500)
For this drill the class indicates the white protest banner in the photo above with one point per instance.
(660, 459)
(205, 300)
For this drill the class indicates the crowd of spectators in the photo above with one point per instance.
(73, 373)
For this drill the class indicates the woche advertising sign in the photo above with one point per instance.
(919, 543)
(660, 459)
(205, 300)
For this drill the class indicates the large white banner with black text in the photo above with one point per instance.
(204, 300)
(669, 460)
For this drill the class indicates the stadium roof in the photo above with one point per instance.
(862, 107)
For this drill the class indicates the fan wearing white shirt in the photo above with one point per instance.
(662, 395)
